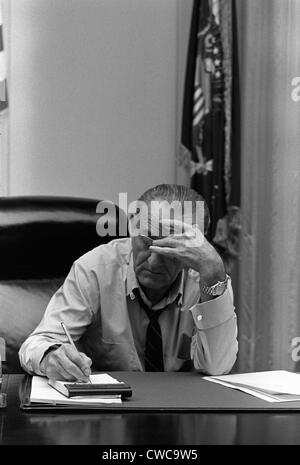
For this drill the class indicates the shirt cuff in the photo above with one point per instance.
(50, 349)
(213, 312)
(35, 364)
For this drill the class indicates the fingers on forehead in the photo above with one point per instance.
(167, 227)
(165, 241)
(161, 228)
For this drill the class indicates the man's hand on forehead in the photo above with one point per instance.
(175, 234)
(192, 249)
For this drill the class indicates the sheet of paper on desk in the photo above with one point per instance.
(41, 392)
(272, 386)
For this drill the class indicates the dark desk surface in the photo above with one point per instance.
(136, 428)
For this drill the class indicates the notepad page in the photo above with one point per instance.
(99, 378)
(41, 392)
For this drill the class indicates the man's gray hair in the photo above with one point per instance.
(176, 192)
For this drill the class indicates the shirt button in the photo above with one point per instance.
(199, 317)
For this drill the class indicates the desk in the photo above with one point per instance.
(137, 428)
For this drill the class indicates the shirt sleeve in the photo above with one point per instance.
(214, 345)
(74, 303)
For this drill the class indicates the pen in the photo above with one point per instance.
(70, 339)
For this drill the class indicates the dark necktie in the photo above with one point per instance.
(154, 360)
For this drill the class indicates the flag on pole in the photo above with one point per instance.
(209, 115)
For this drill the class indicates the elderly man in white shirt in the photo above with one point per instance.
(150, 302)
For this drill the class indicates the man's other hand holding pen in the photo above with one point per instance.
(65, 362)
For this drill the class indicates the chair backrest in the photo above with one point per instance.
(40, 237)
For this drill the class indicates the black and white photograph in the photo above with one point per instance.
(149, 228)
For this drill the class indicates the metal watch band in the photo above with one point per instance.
(215, 290)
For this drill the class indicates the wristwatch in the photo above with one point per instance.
(215, 290)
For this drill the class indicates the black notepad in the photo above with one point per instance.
(88, 389)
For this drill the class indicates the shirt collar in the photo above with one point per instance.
(176, 290)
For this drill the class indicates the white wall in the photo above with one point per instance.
(93, 96)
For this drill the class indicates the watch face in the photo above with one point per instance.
(219, 289)
(216, 289)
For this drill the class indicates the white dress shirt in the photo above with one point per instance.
(98, 305)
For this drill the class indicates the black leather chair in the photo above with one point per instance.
(40, 237)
